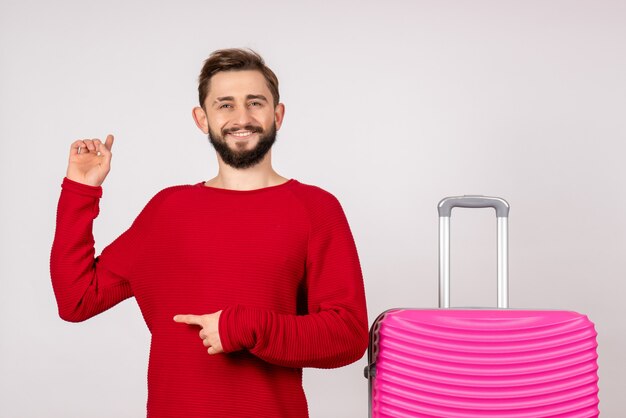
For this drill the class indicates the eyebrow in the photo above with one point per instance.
(256, 96)
(248, 97)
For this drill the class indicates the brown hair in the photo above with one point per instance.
(235, 59)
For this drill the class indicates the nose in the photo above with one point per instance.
(242, 116)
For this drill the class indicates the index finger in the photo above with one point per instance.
(188, 319)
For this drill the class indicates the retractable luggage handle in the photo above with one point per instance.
(502, 213)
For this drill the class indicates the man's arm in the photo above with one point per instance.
(81, 288)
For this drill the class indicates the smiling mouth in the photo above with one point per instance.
(241, 134)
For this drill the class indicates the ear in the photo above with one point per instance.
(279, 114)
(200, 117)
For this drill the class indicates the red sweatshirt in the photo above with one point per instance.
(280, 262)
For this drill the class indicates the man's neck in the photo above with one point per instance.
(258, 177)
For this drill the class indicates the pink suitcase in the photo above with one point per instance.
(461, 363)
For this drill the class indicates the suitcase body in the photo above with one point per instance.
(462, 363)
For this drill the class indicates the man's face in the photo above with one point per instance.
(241, 119)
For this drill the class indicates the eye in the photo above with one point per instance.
(225, 106)
(255, 104)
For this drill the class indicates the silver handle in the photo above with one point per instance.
(502, 213)
(500, 205)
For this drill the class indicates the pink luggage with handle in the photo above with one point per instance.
(479, 363)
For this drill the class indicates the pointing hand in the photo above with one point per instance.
(209, 329)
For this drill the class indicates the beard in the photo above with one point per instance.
(242, 158)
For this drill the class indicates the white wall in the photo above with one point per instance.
(390, 105)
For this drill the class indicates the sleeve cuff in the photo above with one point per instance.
(236, 330)
(80, 188)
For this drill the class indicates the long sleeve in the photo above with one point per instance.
(334, 331)
(84, 285)
(279, 262)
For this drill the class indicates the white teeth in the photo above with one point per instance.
(241, 134)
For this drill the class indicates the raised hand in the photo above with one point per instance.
(90, 161)
(209, 332)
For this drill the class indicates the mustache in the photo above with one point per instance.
(251, 128)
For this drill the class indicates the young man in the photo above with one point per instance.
(243, 280)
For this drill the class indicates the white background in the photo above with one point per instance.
(390, 106)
